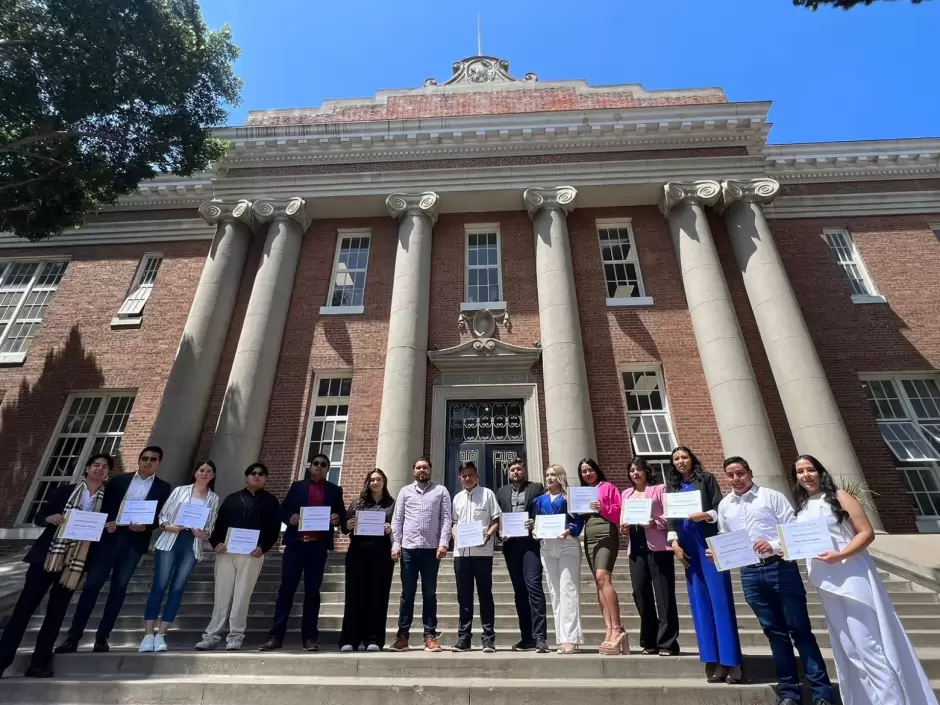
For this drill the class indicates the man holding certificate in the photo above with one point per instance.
(476, 518)
(773, 587)
(306, 550)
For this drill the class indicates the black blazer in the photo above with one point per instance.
(54, 504)
(114, 493)
(297, 498)
(711, 498)
(532, 490)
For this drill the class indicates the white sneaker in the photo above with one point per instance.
(346, 648)
(373, 647)
(159, 642)
(205, 645)
(234, 643)
(146, 644)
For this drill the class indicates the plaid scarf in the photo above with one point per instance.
(66, 555)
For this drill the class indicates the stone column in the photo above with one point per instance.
(811, 409)
(568, 421)
(742, 420)
(182, 412)
(240, 430)
(401, 423)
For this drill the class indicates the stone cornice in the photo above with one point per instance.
(852, 161)
(398, 204)
(149, 231)
(849, 205)
(484, 354)
(703, 193)
(540, 198)
(760, 191)
(217, 211)
(267, 210)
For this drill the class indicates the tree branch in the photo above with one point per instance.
(18, 184)
(16, 145)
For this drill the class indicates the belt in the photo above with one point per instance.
(307, 538)
(770, 560)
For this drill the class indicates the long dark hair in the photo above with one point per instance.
(675, 477)
(826, 485)
(601, 477)
(641, 464)
(365, 497)
(215, 474)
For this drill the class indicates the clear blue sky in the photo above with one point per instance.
(869, 73)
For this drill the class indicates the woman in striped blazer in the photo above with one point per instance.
(177, 551)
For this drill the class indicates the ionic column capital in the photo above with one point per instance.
(761, 191)
(703, 193)
(560, 198)
(424, 203)
(268, 210)
(218, 211)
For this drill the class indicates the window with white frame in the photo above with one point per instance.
(622, 276)
(484, 275)
(908, 413)
(348, 285)
(90, 423)
(648, 414)
(141, 287)
(26, 291)
(850, 262)
(328, 423)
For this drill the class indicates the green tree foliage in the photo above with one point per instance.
(99, 95)
(844, 4)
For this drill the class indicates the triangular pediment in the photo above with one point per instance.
(484, 354)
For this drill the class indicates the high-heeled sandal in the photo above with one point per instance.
(572, 649)
(620, 645)
(719, 676)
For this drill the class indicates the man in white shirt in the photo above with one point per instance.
(774, 588)
(475, 563)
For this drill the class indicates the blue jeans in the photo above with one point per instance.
(776, 593)
(171, 569)
(415, 562)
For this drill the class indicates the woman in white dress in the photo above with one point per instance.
(875, 661)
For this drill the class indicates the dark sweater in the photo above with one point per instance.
(244, 510)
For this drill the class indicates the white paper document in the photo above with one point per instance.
(637, 512)
(370, 522)
(83, 526)
(137, 512)
(512, 524)
(733, 549)
(242, 541)
(550, 526)
(314, 519)
(679, 505)
(468, 535)
(192, 515)
(580, 498)
(805, 539)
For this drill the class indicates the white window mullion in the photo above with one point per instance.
(847, 257)
(483, 268)
(326, 431)
(138, 294)
(19, 308)
(647, 411)
(349, 274)
(620, 264)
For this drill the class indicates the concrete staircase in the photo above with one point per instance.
(218, 678)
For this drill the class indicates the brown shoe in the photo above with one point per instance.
(271, 644)
(311, 645)
(401, 644)
(430, 644)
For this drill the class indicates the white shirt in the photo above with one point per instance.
(88, 500)
(758, 510)
(139, 488)
(478, 504)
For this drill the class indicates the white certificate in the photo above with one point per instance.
(192, 515)
(314, 519)
(370, 522)
(679, 505)
(242, 541)
(580, 498)
(550, 526)
(512, 524)
(137, 512)
(83, 526)
(805, 539)
(637, 512)
(733, 549)
(469, 535)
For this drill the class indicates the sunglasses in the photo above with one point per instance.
(257, 473)
(320, 464)
(150, 459)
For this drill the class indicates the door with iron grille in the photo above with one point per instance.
(491, 433)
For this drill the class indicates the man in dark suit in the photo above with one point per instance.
(305, 553)
(523, 560)
(119, 551)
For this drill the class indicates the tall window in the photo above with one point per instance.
(348, 286)
(328, 423)
(621, 268)
(648, 414)
(846, 255)
(141, 287)
(908, 414)
(90, 423)
(26, 290)
(484, 266)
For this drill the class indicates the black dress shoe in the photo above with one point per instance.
(69, 646)
(541, 646)
(524, 646)
(787, 701)
(101, 646)
(39, 672)
(461, 645)
(822, 701)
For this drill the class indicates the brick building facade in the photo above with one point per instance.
(489, 267)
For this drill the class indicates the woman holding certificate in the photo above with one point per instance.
(601, 546)
(561, 557)
(710, 595)
(369, 566)
(874, 658)
(187, 520)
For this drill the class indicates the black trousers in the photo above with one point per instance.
(369, 569)
(479, 570)
(307, 560)
(38, 583)
(653, 574)
(524, 563)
